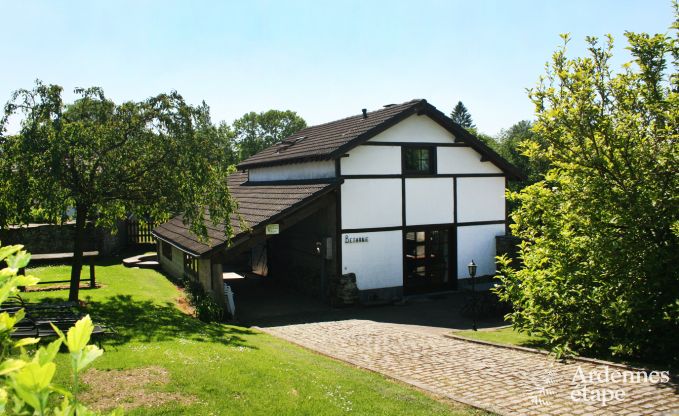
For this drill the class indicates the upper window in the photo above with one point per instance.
(419, 160)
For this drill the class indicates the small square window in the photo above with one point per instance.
(419, 160)
(167, 250)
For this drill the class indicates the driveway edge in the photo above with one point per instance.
(542, 352)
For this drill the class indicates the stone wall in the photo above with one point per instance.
(50, 238)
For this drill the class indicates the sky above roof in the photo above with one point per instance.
(325, 60)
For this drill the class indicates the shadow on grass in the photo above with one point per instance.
(146, 321)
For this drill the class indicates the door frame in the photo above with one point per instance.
(452, 258)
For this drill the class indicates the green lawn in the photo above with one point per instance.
(503, 336)
(217, 369)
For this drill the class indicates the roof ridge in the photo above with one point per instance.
(390, 107)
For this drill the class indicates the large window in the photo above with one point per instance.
(419, 160)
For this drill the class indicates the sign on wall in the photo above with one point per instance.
(348, 239)
(273, 229)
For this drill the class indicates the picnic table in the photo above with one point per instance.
(40, 317)
(90, 255)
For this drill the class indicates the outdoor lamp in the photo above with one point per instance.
(472, 272)
(472, 269)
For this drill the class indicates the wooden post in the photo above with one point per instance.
(92, 281)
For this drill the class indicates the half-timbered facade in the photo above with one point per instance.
(402, 197)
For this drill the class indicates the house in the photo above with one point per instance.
(402, 197)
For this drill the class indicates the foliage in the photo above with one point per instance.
(207, 309)
(512, 144)
(27, 386)
(601, 244)
(461, 116)
(153, 157)
(255, 132)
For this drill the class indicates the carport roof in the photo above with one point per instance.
(258, 204)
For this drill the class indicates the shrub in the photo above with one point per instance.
(26, 376)
(207, 309)
(600, 231)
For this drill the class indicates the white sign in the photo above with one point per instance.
(272, 229)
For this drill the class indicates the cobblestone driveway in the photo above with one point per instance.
(501, 380)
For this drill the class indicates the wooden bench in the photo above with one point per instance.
(91, 255)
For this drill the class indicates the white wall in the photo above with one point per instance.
(309, 170)
(429, 201)
(369, 203)
(377, 263)
(477, 242)
(480, 199)
(372, 160)
(174, 267)
(462, 160)
(415, 129)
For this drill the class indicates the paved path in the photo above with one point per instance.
(501, 380)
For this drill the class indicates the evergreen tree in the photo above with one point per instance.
(461, 116)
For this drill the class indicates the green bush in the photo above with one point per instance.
(207, 309)
(26, 375)
(601, 246)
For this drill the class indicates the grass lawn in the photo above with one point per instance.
(216, 369)
(504, 336)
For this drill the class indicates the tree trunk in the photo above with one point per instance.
(80, 221)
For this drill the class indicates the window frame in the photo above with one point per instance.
(190, 266)
(431, 151)
(166, 249)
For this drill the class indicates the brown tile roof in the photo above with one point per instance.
(257, 205)
(322, 141)
(332, 140)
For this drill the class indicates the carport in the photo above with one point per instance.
(284, 242)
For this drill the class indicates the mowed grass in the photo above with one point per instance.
(506, 335)
(224, 369)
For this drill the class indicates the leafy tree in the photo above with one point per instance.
(511, 145)
(255, 132)
(153, 157)
(461, 116)
(601, 230)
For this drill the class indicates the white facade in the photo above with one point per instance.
(462, 160)
(297, 171)
(372, 160)
(415, 129)
(480, 199)
(373, 205)
(430, 201)
(377, 262)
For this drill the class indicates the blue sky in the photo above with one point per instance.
(325, 60)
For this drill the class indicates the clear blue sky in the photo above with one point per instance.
(325, 60)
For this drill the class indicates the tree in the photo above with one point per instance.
(255, 132)
(511, 144)
(601, 230)
(461, 116)
(153, 157)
